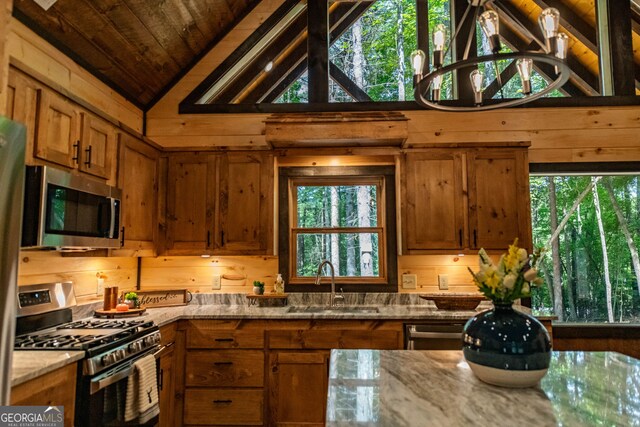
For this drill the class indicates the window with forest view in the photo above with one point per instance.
(345, 215)
(339, 220)
(590, 227)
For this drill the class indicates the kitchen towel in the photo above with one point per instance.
(142, 391)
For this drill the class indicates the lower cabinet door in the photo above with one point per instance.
(298, 387)
(217, 406)
(167, 390)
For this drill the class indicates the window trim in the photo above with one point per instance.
(387, 246)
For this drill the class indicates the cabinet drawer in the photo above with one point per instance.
(224, 338)
(223, 407)
(225, 368)
(319, 339)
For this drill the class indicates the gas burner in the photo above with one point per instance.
(101, 324)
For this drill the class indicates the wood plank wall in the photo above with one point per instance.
(38, 58)
(45, 267)
(5, 19)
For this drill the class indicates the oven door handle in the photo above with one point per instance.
(112, 378)
(435, 335)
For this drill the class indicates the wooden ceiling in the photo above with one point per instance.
(138, 47)
(141, 48)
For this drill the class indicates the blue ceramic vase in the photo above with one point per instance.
(506, 347)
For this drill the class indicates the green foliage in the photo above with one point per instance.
(132, 296)
(581, 257)
(258, 284)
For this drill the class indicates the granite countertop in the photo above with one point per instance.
(27, 366)
(30, 364)
(415, 388)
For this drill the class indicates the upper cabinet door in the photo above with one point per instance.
(498, 198)
(434, 214)
(98, 147)
(57, 138)
(22, 106)
(191, 190)
(245, 204)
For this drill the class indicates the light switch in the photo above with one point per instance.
(216, 282)
(409, 281)
(443, 281)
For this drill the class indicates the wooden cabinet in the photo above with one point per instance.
(224, 373)
(167, 375)
(220, 204)
(98, 147)
(245, 203)
(298, 387)
(57, 388)
(138, 179)
(22, 106)
(456, 199)
(58, 130)
(191, 193)
(499, 201)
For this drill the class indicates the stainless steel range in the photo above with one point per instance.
(111, 347)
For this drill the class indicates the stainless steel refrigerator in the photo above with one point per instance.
(12, 147)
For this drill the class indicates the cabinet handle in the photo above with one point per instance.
(221, 237)
(161, 379)
(222, 363)
(76, 147)
(122, 237)
(88, 161)
(208, 239)
(475, 238)
(460, 236)
(222, 401)
(223, 339)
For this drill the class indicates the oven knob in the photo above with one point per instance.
(120, 354)
(107, 359)
(149, 341)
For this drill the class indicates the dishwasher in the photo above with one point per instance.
(433, 336)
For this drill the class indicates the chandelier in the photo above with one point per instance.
(427, 89)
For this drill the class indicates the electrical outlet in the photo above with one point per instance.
(443, 281)
(409, 281)
(216, 282)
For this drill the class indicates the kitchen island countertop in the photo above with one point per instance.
(437, 388)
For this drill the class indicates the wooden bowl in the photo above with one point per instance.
(455, 301)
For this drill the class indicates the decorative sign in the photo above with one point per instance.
(163, 297)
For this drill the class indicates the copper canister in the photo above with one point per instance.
(110, 298)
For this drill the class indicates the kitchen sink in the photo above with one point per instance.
(337, 309)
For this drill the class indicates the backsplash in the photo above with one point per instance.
(50, 266)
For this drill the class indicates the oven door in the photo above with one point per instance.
(102, 399)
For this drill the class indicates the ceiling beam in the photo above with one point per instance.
(348, 85)
(318, 50)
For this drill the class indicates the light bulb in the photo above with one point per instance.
(477, 83)
(524, 66)
(490, 25)
(439, 38)
(436, 83)
(549, 21)
(562, 41)
(417, 62)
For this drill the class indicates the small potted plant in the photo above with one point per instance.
(131, 299)
(258, 287)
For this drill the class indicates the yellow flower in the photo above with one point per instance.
(492, 280)
(512, 259)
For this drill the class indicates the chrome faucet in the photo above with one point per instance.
(335, 299)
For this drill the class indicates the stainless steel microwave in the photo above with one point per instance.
(64, 210)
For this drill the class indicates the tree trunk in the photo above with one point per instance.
(558, 304)
(352, 220)
(624, 225)
(400, 49)
(571, 273)
(605, 255)
(358, 56)
(335, 222)
(366, 247)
